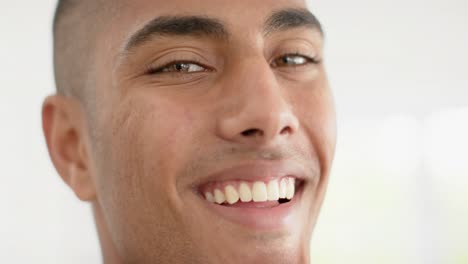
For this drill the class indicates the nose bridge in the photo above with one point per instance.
(258, 109)
(264, 98)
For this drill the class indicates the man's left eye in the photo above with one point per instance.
(293, 60)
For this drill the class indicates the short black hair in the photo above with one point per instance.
(76, 25)
(61, 34)
(61, 9)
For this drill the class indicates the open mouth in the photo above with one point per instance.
(259, 197)
(257, 194)
(260, 205)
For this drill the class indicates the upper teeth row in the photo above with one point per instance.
(258, 192)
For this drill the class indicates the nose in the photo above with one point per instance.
(256, 109)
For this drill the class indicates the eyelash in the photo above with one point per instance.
(309, 60)
(154, 70)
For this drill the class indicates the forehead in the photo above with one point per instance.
(240, 16)
(223, 8)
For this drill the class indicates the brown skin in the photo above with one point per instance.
(153, 138)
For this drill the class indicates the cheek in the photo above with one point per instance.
(143, 149)
(152, 137)
(325, 119)
(317, 114)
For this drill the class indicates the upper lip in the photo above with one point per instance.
(259, 171)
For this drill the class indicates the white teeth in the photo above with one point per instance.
(219, 196)
(291, 188)
(209, 197)
(259, 192)
(273, 190)
(231, 194)
(283, 188)
(245, 193)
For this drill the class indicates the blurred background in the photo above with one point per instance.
(398, 191)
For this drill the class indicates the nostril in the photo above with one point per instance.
(252, 132)
(286, 130)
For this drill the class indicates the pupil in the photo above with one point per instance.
(181, 66)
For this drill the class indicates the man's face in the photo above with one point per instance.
(236, 106)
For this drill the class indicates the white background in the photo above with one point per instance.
(398, 192)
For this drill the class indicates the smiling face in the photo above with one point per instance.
(214, 134)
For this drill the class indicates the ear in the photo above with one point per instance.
(65, 130)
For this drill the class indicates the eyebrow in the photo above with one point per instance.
(177, 26)
(202, 26)
(286, 19)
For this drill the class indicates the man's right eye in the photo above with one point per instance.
(178, 67)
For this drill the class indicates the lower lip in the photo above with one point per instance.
(260, 216)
